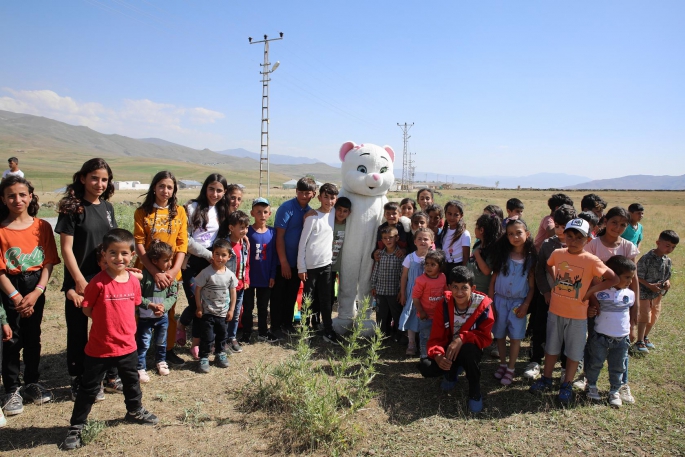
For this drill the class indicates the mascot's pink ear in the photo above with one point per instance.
(390, 152)
(345, 148)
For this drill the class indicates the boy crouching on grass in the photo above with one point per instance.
(461, 329)
(110, 300)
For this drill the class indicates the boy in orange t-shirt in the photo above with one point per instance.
(573, 270)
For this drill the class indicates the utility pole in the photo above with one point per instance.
(405, 157)
(264, 150)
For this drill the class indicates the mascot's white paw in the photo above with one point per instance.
(343, 326)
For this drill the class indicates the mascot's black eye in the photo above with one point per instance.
(361, 168)
(384, 169)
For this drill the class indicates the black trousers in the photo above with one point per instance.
(468, 358)
(214, 328)
(193, 268)
(538, 323)
(387, 308)
(284, 296)
(318, 286)
(94, 369)
(25, 335)
(263, 295)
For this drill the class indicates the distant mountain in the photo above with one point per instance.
(636, 182)
(25, 131)
(274, 159)
(536, 181)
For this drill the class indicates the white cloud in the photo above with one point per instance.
(135, 118)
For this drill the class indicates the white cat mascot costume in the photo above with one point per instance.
(367, 175)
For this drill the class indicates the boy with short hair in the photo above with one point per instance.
(592, 220)
(385, 281)
(546, 228)
(610, 339)
(514, 210)
(262, 272)
(289, 222)
(461, 330)
(314, 258)
(343, 207)
(633, 232)
(544, 282)
(239, 264)
(13, 170)
(573, 270)
(654, 275)
(391, 213)
(110, 300)
(593, 203)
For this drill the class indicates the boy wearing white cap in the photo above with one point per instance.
(573, 270)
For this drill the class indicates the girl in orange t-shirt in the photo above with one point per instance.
(160, 217)
(27, 255)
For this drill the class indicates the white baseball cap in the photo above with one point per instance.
(579, 224)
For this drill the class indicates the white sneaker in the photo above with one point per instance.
(162, 368)
(532, 371)
(143, 376)
(615, 400)
(625, 395)
(562, 378)
(593, 393)
(3, 421)
(580, 384)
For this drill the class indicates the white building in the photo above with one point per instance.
(129, 185)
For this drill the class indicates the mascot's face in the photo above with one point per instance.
(367, 169)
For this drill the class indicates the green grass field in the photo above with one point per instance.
(409, 415)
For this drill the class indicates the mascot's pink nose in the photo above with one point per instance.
(376, 176)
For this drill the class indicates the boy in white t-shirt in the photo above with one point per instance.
(610, 341)
(13, 170)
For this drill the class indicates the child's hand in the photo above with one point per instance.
(28, 301)
(453, 349)
(422, 315)
(80, 286)
(443, 362)
(198, 313)
(402, 298)
(654, 287)
(6, 332)
(159, 312)
(592, 311)
(548, 297)
(229, 315)
(285, 270)
(78, 301)
(303, 276)
(522, 311)
(400, 253)
(632, 336)
(134, 270)
(666, 285)
(162, 281)
(272, 281)
(376, 255)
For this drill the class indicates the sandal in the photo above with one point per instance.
(508, 377)
(500, 371)
(411, 350)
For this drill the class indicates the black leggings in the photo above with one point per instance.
(194, 267)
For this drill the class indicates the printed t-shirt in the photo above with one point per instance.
(625, 248)
(455, 253)
(547, 223)
(157, 226)
(216, 296)
(614, 312)
(113, 304)
(573, 278)
(88, 229)
(460, 319)
(290, 216)
(262, 256)
(338, 240)
(27, 249)
(241, 264)
(430, 292)
(204, 236)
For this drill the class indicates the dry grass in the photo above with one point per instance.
(409, 416)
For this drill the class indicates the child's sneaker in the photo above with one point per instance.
(532, 371)
(162, 368)
(476, 405)
(541, 385)
(181, 336)
(73, 439)
(581, 383)
(221, 360)
(245, 338)
(268, 337)
(14, 404)
(234, 346)
(593, 393)
(641, 347)
(3, 421)
(143, 377)
(615, 400)
(35, 393)
(626, 396)
(141, 416)
(174, 359)
(195, 352)
(204, 365)
(100, 396)
(565, 393)
(114, 386)
(648, 343)
(331, 337)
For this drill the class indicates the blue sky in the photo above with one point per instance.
(510, 88)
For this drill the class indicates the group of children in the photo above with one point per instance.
(426, 282)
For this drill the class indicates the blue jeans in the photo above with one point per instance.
(233, 324)
(425, 326)
(146, 327)
(614, 351)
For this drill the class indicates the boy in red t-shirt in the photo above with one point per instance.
(427, 294)
(110, 300)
